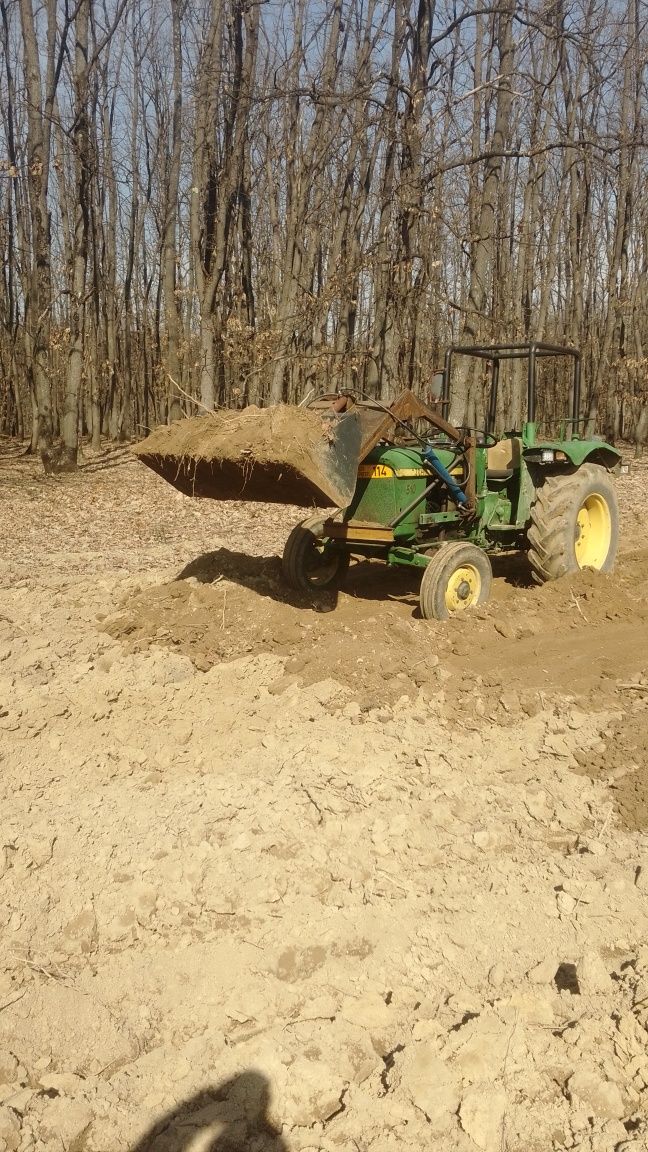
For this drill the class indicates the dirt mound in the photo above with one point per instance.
(623, 593)
(369, 636)
(226, 605)
(284, 454)
(582, 636)
(233, 435)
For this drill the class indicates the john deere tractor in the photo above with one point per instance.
(411, 489)
(444, 499)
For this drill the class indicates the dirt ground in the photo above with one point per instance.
(280, 874)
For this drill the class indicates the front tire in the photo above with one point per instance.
(310, 561)
(457, 578)
(574, 523)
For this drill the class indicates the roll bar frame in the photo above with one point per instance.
(495, 353)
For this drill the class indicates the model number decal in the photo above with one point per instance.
(375, 472)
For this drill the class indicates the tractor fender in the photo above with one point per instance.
(577, 452)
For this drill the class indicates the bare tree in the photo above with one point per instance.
(170, 226)
(477, 323)
(40, 92)
(81, 138)
(224, 98)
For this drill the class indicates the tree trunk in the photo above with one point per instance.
(70, 421)
(172, 319)
(484, 247)
(37, 316)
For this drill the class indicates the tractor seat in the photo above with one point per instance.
(503, 459)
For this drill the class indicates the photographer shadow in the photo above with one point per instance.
(229, 1117)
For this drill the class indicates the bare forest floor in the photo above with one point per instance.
(286, 875)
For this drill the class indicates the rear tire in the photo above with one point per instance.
(310, 562)
(458, 577)
(574, 523)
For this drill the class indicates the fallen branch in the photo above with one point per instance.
(209, 411)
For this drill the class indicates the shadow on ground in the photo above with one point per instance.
(229, 1117)
(514, 568)
(109, 458)
(365, 580)
(368, 580)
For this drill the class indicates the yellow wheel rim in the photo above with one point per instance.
(593, 534)
(463, 588)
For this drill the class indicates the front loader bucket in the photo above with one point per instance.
(279, 455)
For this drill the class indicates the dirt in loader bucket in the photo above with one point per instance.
(281, 455)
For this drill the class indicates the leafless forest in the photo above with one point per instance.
(237, 202)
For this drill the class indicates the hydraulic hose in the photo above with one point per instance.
(458, 495)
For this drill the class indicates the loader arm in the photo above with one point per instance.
(378, 420)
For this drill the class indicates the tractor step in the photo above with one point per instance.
(358, 532)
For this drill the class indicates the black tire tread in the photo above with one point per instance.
(442, 561)
(294, 553)
(553, 512)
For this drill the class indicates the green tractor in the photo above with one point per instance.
(444, 499)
